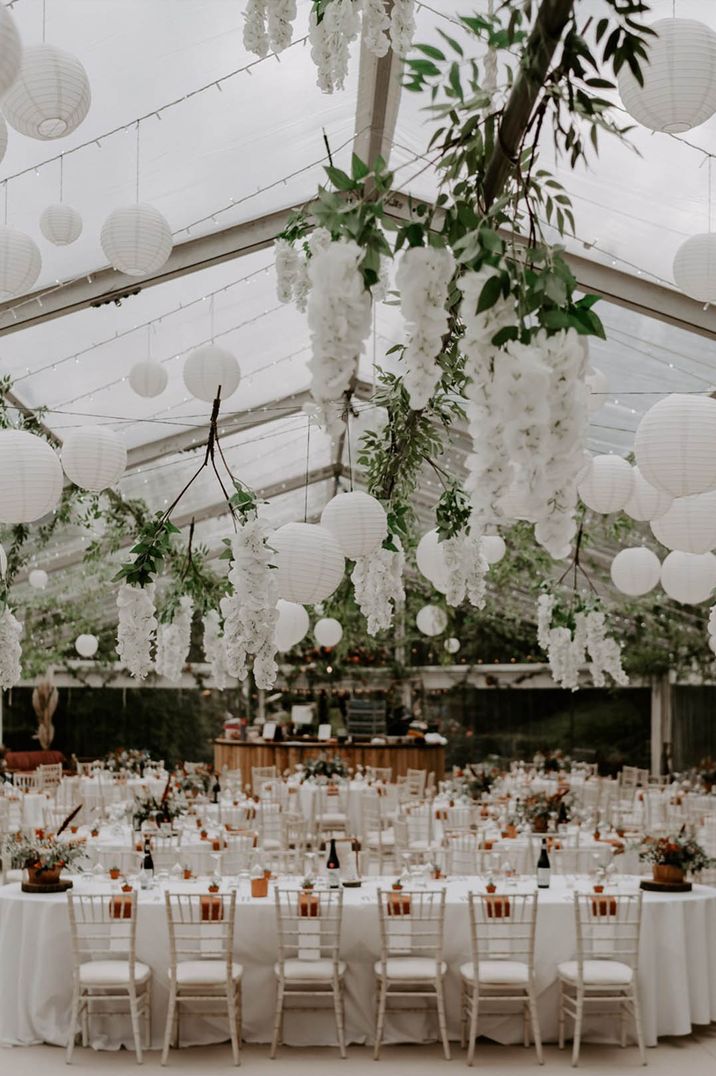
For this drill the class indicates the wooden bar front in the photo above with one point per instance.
(240, 755)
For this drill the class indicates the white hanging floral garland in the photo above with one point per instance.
(215, 649)
(268, 26)
(136, 628)
(378, 586)
(467, 569)
(10, 649)
(567, 648)
(250, 612)
(423, 278)
(173, 642)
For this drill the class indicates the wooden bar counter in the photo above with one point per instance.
(242, 755)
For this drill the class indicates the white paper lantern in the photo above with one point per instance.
(357, 521)
(674, 445)
(679, 90)
(695, 267)
(209, 368)
(452, 645)
(607, 485)
(38, 579)
(431, 620)
(430, 559)
(646, 502)
(86, 645)
(689, 525)
(291, 626)
(30, 477)
(10, 50)
(60, 224)
(493, 548)
(309, 562)
(50, 96)
(148, 378)
(94, 457)
(689, 578)
(636, 571)
(328, 632)
(20, 261)
(136, 239)
(598, 386)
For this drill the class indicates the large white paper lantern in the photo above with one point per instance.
(430, 559)
(309, 562)
(38, 578)
(86, 645)
(431, 620)
(679, 90)
(689, 578)
(30, 477)
(598, 386)
(94, 457)
(689, 525)
(148, 378)
(136, 239)
(357, 521)
(50, 96)
(20, 261)
(493, 548)
(291, 626)
(10, 50)
(636, 571)
(674, 445)
(695, 267)
(328, 632)
(452, 645)
(60, 224)
(607, 484)
(209, 368)
(646, 502)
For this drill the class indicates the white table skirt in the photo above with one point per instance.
(677, 975)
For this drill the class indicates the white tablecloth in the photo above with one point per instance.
(677, 974)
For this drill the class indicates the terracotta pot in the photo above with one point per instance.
(114, 873)
(187, 874)
(259, 887)
(44, 875)
(663, 873)
(540, 825)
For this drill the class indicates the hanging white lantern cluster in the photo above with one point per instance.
(328, 632)
(30, 477)
(695, 267)
(674, 445)
(357, 521)
(689, 578)
(148, 378)
(10, 50)
(50, 96)
(493, 548)
(635, 571)
(94, 457)
(86, 645)
(689, 525)
(309, 562)
(607, 485)
(452, 645)
(38, 578)
(136, 239)
(679, 73)
(291, 626)
(208, 369)
(646, 502)
(598, 386)
(431, 620)
(60, 224)
(20, 261)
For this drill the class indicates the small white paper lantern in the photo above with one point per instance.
(328, 632)
(10, 50)
(20, 261)
(493, 548)
(431, 560)
(607, 485)
(646, 501)
(30, 477)
(431, 620)
(695, 267)
(689, 578)
(136, 239)
(679, 90)
(689, 525)
(86, 645)
(674, 445)
(209, 368)
(357, 521)
(50, 96)
(148, 378)
(636, 571)
(309, 562)
(38, 579)
(598, 386)
(452, 645)
(94, 457)
(291, 626)
(60, 224)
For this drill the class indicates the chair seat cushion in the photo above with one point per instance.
(498, 972)
(205, 972)
(423, 846)
(410, 968)
(272, 844)
(333, 818)
(303, 971)
(112, 973)
(597, 972)
(374, 839)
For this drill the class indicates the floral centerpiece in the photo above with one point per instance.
(127, 760)
(165, 809)
(707, 773)
(674, 856)
(195, 779)
(538, 808)
(44, 858)
(323, 768)
(480, 779)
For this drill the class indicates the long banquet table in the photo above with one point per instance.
(677, 973)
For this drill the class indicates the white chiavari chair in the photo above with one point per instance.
(384, 774)
(50, 776)
(259, 774)
(331, 809)
(269, 826)
(580, 860)
(238, 855)
(27, 782)
(378, 833)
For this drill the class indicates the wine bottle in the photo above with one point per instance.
(333, 866)
(147, 871)
(543, 868)
(216, 790)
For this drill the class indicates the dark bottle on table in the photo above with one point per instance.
(216, 790)
(147, 871)
(333, 866)
(543, 867)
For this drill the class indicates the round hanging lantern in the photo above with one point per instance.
(607, 484)
(148, 378)
(60, 224)
(10, 50)
(309, 562)
(689, 525)
(50, 96)
(291, 626)
(136, 239)
(493, 548)
(30, 477)
(328, 632)
(209, 368)
(679, 73)
(452, 645)
(689, 578)
(357, 521)
(598, 386)
(431, 620)
(646, 501)
(431, 560)
(636, 571)
(20, 261)
(86, 645)
(38, 579)
(674, 445)
(695, 267)
(94, 457)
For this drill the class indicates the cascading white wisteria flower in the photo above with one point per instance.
(288, 263)
(10, 649)
(545, 607)
(136, 628)
(215, 649)
(567, 650)
(339, 320)
(466, 569)
(402, 26)
(330, 39)
(281, 15)
(255, 33)
(250, 612)
(423, 279)
(173, 642)
(604, 652)
(378, 586)
(375, 27)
